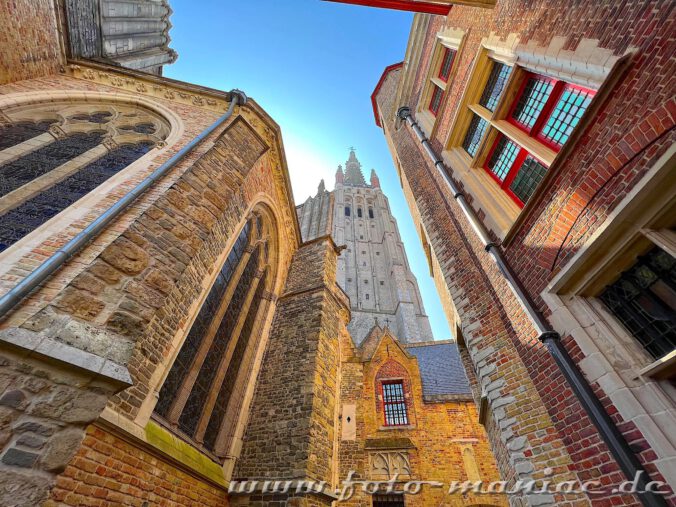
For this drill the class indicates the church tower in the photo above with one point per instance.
(373, 268)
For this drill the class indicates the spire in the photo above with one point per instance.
(353, 174)
(339, 175)
(375, 182)
(321, 188)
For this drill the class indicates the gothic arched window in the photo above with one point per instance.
(198, 398)
(54, 153)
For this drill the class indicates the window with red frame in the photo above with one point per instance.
(394, 403)
(446, 64)
(435, 99)
(516, 170)
(548, 109)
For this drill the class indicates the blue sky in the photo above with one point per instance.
(313, 66)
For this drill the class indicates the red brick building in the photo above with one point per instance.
(534, 141)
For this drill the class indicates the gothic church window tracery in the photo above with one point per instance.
(53, 153)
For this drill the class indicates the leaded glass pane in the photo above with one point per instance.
(476, 130)
(494, 86)
(503, 157)
(528, 178)
(205, 378)
(28, 216)
(198, 331)
(532, 101)
(566, 115)
(234, 367)
(39, 162)
(435, 101)
(446, 64)
(17, 133)
(644, 300)
(391, 500)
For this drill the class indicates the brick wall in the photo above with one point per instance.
(633, 127)
(109, 470)
(29, 40)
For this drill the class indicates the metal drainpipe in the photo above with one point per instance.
(611, 435)
(61, 256)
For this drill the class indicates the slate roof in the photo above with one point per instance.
(441, 369)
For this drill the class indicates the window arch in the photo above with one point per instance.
(54, 153)
(204, 389)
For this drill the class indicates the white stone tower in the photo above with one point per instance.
(373, 269)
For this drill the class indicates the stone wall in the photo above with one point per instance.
(535, 419)
(293, 419)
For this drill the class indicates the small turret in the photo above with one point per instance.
(375, 182)
(339, 175)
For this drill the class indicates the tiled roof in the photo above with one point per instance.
(441, 369)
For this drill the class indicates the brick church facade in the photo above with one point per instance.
(534, 142)
(166, 329)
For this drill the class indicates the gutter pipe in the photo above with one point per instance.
(9, 300)
(615, 441)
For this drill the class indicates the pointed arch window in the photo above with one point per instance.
(52, 154)
(216, 356)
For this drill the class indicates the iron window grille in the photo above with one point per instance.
(495, 85)
(394, 403)
(392, 500)
(643, 299)
(475, 132)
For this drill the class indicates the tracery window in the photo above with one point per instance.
(217, 353)
(73, 148)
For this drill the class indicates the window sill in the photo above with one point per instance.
(499, 210)
(402, 427)
(662, 369)
(534, 147)
(426, 121)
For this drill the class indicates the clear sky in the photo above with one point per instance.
(312, 65)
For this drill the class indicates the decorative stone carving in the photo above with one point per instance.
(389, 464)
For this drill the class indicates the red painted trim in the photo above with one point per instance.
(522, 89)
(435, 89)
(385, 404)
(401, 5)
(379, 85)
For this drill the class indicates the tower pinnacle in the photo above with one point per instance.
(339, 175)
(353, 175)
(375, 182)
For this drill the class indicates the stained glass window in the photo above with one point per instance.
(200, 327)
(644, 300)
(245, 338)
(475, 132)
(528, 177)
(39, 162)
(394, 403)
(197, 398)
(16, 133)
(28, 216)
(494, 86)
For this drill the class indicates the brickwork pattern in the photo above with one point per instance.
(29, 41)
(631, 130)
(109, 471)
